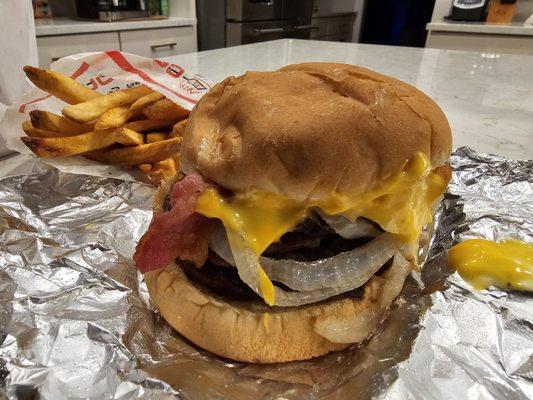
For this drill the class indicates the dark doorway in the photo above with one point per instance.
(396, 22)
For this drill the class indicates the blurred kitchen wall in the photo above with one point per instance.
(63, 8)
(337, 6)
(329, 7)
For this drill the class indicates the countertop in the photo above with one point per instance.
(66, 26)
(487, 97)
(514, 28)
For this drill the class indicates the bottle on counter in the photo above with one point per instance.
(469, 10)
(154, 7)
(501, 11)
(164, 7)
(41, 9)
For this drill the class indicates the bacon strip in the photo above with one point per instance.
(178, 233)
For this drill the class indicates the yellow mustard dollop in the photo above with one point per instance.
(484, 263)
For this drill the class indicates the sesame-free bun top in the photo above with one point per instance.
(309, 129)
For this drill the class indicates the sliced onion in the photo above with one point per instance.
(354, 329)
(352, 268)
(249, 269)
(219, 244)
(350, 229)
(342, 226)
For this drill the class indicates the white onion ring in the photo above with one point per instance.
(351, 268)
(248, 267)
(350, 229)
(342, 226)
(353, 329)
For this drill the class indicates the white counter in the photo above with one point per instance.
(487, 98)
(515, 28)
(66, 26)
(512, 38)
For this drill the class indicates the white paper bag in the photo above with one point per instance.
(105, 72)
(18, 47)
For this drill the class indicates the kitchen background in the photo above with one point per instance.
(159, 28)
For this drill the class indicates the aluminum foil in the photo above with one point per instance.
(76, 322)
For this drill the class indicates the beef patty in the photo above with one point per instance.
(312, 239)
(226, 284)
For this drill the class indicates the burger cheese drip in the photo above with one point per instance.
(400, 204)
(484, 263)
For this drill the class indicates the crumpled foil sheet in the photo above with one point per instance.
(75, 319)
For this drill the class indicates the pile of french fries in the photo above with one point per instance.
(136, 126)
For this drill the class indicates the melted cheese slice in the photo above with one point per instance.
(258, 216)
(484, 263)
(400, 204)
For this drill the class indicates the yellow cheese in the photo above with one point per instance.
(266, 321)
(259, 217)
(267, 287)
(401, 204)
(483, 263)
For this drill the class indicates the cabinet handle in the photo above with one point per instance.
(306, 28)
(158, 46)
(266, 31)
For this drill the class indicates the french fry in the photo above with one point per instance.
(146, 168)
(127, 137)
(67, 127)
(178, 129)
(156, 137)
(57, 123)
(92, 109)
(31, 131)
(146, 100)
(149, 124)
(165, 108)
(162, 170)
(59, 85)
(115, 117)
(107, 128)
(72, 145)
(147, 153)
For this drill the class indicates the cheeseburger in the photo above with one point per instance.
(305, 199)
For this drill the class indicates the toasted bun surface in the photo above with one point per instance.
(309, 129)
(237, 330)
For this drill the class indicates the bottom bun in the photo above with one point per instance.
(241, 331)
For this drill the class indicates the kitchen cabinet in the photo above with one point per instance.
(494, 43)
(157, 43)
(333, 28)
(63, 37)
(51, 48)
(513, 38)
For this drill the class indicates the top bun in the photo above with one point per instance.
(309, 129)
